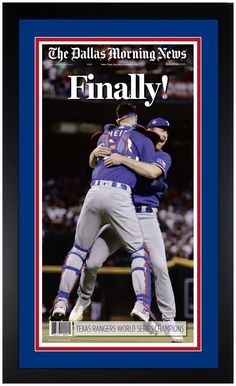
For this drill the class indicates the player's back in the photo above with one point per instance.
(137, 146)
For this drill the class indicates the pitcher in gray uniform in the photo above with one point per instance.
(109, 201)
(146, 197)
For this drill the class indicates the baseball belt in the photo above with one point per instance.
(143, 209)
(111, 184)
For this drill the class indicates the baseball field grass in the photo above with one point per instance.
(112, 339)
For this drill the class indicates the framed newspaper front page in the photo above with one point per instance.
(118, 223)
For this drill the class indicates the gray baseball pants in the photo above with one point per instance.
(105, 204)
(107, 243)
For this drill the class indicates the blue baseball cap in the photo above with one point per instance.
(159, 122)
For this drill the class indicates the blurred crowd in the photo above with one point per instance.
(62, 203)
(176, 218)
(56, 82)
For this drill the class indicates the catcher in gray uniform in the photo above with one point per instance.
(146, 198)
(109, 201)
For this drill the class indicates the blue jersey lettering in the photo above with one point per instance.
(138, 147)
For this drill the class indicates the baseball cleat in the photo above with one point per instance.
(173, 338)
(140, 312)
(59, 311)
(58, 314)
(77, 313)
(176, 339)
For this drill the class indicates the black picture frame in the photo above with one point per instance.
(12, 13)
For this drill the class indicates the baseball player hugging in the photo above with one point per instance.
(150, 187)
(109, 201)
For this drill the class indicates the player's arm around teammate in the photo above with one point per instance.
(107, 242)
(109, 201)
(144, 169)
(99, 152)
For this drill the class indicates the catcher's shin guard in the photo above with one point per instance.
(71, 270)
(141, 275)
